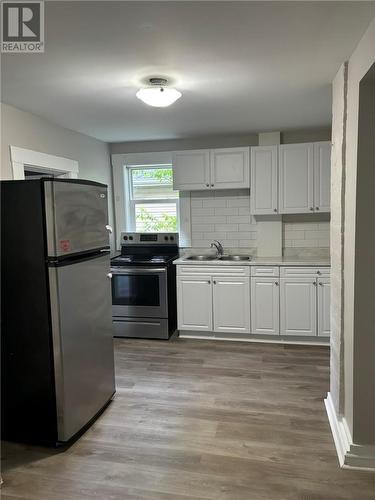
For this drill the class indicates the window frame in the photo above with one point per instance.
(133, 202)
(119, 191)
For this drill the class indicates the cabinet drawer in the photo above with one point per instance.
(296, 271)
(265, 271)
(189, 270)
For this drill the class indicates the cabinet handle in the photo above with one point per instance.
(209, 282)
(314, 283)
(316, 208)
(318, 272)
(212, 185)
(320, 283)
(312, 209)
(276, 283)
(275, 209)
(207, 185)
(214, 282)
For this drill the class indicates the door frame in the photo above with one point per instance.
(28, 159)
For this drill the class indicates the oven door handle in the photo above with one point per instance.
(137, 270)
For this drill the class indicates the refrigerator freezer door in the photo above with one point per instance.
(82, 341)
(76, 217)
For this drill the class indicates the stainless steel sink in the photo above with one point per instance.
(235, 257)
(202, 257)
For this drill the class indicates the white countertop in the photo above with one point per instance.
(257, 261)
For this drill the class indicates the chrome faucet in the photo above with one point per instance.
(219, 247)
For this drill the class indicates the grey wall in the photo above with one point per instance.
(181, 144)
(306, 135)
(25, 130)
(364, 290)
(228, 141)
(353, 246)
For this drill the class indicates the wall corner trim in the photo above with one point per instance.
(350, 455)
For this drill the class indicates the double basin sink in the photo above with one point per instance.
(234, 258)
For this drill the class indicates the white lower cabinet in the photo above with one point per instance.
(231, 304)
(194, 303)
(324, 307)
(227, 300)
(298, 301)
(265, 306)
(213, 303)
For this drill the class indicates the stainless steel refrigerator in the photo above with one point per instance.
(57, 338)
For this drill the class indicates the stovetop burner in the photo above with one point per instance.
(147, 249)
(142, 259)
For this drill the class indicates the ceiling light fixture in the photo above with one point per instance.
(157, 94)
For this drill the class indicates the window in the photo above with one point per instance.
(153, 203)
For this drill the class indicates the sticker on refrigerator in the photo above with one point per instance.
(65, 245)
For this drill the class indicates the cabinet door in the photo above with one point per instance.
(265, 306)
(324, 307)
(230, 168)
(231, 304)
(194, 303)
(264, 195)
(322, 176)
(191, 170)
(298, 306)
(296, 178)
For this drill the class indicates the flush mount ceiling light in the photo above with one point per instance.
(158, 95)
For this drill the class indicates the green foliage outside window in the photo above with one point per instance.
(152, 223)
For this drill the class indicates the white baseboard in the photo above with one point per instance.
(267, 339)
(350, 455)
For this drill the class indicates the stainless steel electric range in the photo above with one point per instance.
(144, 286)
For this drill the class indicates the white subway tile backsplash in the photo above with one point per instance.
(244, 219)
(222, 215)
(203, 228)
(226, 211)
(214, 219)
(226, 227)
(244, 211)
(196, 203)
(238, 202)
(247, 227)
(202, 211)
(295, 235)
(306, 234)
(215, 202)
(225, 216)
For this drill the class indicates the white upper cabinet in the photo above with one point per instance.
(191, 170)
(298, 306)
(264, 180)
(265, 308)
(201, 169)
(296, 178)
(230, 168)
(231, 304)
(322, 176)
(324, 304)
(194, 303)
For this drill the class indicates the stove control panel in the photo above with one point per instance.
(149, 239)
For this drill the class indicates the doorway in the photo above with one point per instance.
(29, 164)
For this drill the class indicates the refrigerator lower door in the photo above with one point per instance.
(76, 216)
(82, 334)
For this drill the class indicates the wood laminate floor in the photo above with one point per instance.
(199, 420)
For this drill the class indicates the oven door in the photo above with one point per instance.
(139, 292)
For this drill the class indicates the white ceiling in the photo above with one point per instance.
(242, 66)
